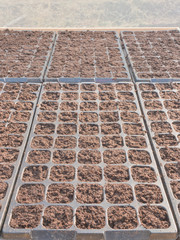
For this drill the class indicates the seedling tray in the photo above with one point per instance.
(153, 50)
(25, 55)
(87, 55)
(16, 114)
(165, 107)
(88, 142)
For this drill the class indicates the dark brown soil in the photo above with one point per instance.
(70, 87)
(161, 127)
(42, 142)
(64, 156)
(127, 106)
(35, 173)
(107, 96)
(8, 155)
(154, 217)
(26, 216)
(130, 117)
(114, 156)
(148, 193)
(67, 129)
(117, 173)
(44, 128)
(20, 116)
(135, 142)
(88, 87)
(173, 170)
(65, 142)
(60, 193)
(156, 115)
(166, 140)
(88, 106)
(89, 142)
(51, 96)
(108, 106)
(52, 87)
(146, 87)
(143, 174)
(6, 171)
(172, 104)
(153, 104)
(110, 128)
(88, 117)
(62, 173)
(122, 217)
(89, 193)
(89, 173)
(69, 96)
(176, 189)
(39, 156)
(89, 157)
(88, 129)
(112, 141)
(67, 117)
(139, 157)
(3, 189)
(174, 115)
(170, 154)
(47, 117)
(109, 116)
(58, 217)
(118, 193)
(90, 217)
(31, 193)
(49, 106)
(68, 106)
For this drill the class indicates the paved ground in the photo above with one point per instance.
(80, 13)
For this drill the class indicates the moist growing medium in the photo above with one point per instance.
(139, 157)
(117, 173)
(62, 173)
(116, 156)
(88, 173)
(89, 157)
(89, 193)
(143, 174)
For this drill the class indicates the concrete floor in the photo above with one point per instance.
(89, 13)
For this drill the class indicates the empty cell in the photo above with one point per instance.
(89, 142)
(175, 186)
(125, 96)
(20, 116)
(122, 217)
(47, 116)
(112, 141)
(149, 95)
(31, 193)
(109, 116)
(176, 126)
(12, 87)
(164, 86)
(69, 96)
(52, 86)
(70, 87)
(42, 142)
(58, 217)
(127, 106)
(11, 140)
(124, 86)
(51, 96)
(89, 193)
(89, 157)
(108, 106)
(9, 96)
(107, 96)
(4, 116)
(174, 115)
(26, 217)
(173, 170)
(88, 117)
(60, 193)
(88, 173)
(148, 193)
(88, 129)
(169, 95)
(30, 87)
(156, 115)
(44, 128)
(8, 155)
(7, 105)
(135, 142)
(139, 157)
(116, 173)
(35, 173)
(27, 96)
(170, 154)
(172, 104)
(90, 217)
(88, 87)
(16, 128)
(133, 129)
(64, 156)
(88, 106)
(143, 174)
(116, 156)
(62, 173)
(130, 117)
(165, 140)
(49, 105)
(68, 106)
(24, 106)
(65, 142)
(154, 217)
(67, 117)
(161, 127)
(67, 129)
(153, 104)
(146, 86)
(110, 128)
(38, 156)
(88, 96)
(3, 189)
(118, 193)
